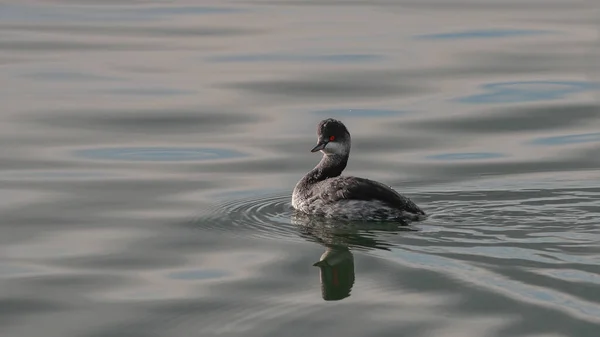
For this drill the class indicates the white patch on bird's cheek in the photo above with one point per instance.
(335, 148)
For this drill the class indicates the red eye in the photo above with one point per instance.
(332, 138)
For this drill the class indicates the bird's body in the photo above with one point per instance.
(324, 192)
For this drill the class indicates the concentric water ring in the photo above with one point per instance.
(272, 217)
(266, 216)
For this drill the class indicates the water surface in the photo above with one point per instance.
(149, 150)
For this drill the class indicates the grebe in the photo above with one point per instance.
(324, 192)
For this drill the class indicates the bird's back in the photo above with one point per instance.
(349, 188)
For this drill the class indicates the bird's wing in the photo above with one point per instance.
(355, 188)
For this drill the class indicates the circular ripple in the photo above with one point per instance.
(266, 216)
(481, 237)
(158, 154)
(273, 217)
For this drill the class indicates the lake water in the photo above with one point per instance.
(149, 150)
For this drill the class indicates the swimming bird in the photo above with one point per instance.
(325, 192)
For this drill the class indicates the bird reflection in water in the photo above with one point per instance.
(337, 262)
(337, 273)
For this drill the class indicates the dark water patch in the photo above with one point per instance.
(152, 121)
(104, 192)
(148, 92)
(121, 260)
(471, 64)
(22, 164)
(519, 62)
(94, 202)
(129, 30)
(183, 10)
(158, 154)
(10, 60)
(69, 76)
(20, 12)
(142, 69)
(15, 309)
(580, 161)
(74, 13)
(9, 270)
(484, 34)
(528, 91)
(474, 5)
(546, 117)
(72, 46)
(504, 63)
(100, 2)
(429, 5)
(80, 282)
(196, 306)
(466, 156)
(465, 173)
(364, 113)
(327, 58)
(581, 138)
(63, 174)
(202, 274)
(36, 221)
(335, 86)
(136, 328)
(416, 82)
(515, 62)
(322, 89)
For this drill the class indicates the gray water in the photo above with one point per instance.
(149, 149)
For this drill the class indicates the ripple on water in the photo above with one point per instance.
(541, 117)
(148, 92)
(45, 175)
(327, 58)
(528, 91)
(496, 245)
(201, 274)
(568, 139)
(342, 113)
(483, 34)
(466, 156)
(158, 154)
(273, 217)
(40, 13)
(69, 76)
(266, 216)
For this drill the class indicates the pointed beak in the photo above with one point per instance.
(322, 263)
(320, 146)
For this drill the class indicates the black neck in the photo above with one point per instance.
(330, 166)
